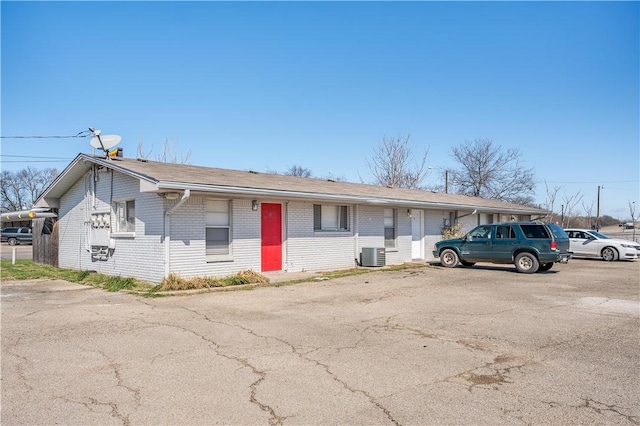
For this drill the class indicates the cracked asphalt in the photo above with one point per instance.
(421, 346)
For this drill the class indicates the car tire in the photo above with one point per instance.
(609, 254)
(545, 267)
(449, 258)
(12, 241)
(465, 263)
(526, 263)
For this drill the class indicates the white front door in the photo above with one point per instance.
(416, 234)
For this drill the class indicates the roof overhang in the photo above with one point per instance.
(163, 186)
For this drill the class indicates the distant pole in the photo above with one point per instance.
(633, 220)
(598, 210)
(446, 181)
(562, 215)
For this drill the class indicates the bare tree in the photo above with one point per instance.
(588, 209)
(393, 164)
(18, 190)
(488, 172)
(570, 201)
(169, 153)
(299, 171)
(551, 196)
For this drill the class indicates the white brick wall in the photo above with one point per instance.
(434, 221)
(133, 256)
(71, 225)
(309, 250)
(188, 258)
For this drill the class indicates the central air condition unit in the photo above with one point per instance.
(372, 256)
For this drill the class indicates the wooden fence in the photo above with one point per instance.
(45, 241)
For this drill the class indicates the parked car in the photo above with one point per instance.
(589, 243)
(530, 246)
(15, 236)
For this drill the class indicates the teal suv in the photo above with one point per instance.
(530, 246)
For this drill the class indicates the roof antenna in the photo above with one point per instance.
(104, 142)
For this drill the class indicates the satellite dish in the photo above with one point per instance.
(105, 142)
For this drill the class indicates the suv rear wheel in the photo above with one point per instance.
(12, 241)
(526, 263)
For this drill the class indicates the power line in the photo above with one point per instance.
(30, 156)
(35, 161)
(83, 134)
(597, 182)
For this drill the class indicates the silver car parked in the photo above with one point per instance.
(589, 243)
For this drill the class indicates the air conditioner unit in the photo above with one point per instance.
(372, 256)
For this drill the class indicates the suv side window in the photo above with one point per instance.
(505, 231)
(535, 231)
(481, 232)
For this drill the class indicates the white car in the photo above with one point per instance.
(588, 243)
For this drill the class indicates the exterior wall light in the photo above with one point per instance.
(254, 205)
(171, 195)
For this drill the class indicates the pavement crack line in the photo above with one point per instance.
(275, 419)
(602, 408)
(115, 367)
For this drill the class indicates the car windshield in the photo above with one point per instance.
(599, 235)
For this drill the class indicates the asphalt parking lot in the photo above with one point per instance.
(23, 251)
(422, 346)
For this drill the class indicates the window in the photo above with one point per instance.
(481, 232)
(390, 228)
(125, 216)
(330, 218)
(535, 231)
(217, 228)
(505, 231)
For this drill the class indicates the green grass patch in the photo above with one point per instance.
(28, 270)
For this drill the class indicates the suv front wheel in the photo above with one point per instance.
(449, 258)
(526, 263)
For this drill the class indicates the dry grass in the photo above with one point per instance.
(175, 282)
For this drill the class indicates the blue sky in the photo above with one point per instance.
(265, 86)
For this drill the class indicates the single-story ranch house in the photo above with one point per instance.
(146, 219)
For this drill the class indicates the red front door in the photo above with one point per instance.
(271, 237)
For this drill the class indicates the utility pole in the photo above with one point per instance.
(633, 218)
(446, 181)
(562, 215)
(598, 209)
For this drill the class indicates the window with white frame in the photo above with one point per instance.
(330, 218)
(125, 216)
(390, 228)
(217, 228)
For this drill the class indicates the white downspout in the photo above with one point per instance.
(167, 231)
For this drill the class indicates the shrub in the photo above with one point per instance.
(454, 231)
(175, 282)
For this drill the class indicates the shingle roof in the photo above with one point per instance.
(167, 176)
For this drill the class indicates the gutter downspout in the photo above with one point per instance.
(167, 231)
